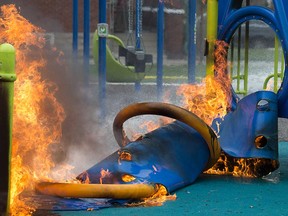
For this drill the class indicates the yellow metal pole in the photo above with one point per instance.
(212, 24)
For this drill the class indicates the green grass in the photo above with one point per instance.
(179, 73)
(171, 74)
(258, 54)
(174, 73)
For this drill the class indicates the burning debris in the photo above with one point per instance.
(37, 114)
(243, 167)
(168, 158)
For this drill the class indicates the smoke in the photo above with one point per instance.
(88, 136)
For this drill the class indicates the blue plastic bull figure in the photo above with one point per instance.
(176, 154)
(173, 155)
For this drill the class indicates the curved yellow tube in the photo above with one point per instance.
(172, 111)
(113, 191)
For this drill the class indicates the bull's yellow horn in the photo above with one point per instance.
(172, 111)
(113, 191)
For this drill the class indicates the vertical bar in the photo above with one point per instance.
(137, 25)
(232, 58)
(246, 57)
(7, 73)
(282, 66)
(137, 86)
(201, 12)
(138, 32)
(276, 60)
(75, 29)
(212, 24)
(238, 59)
(281, 12)
(86, 41)
(102, 61)
(160, 47)
(192, 41)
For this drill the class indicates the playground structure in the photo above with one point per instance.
(212, 19)
(231, 15)
(117, 72)
(263, 108)
(134, 52)
(7, 74)
(260, 106)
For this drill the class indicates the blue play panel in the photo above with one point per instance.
(208, 195)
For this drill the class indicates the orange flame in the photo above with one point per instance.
(148, 126)
(157, 199)
(104, 174)
(243, 167)
(211, 98)
(152, 125)
(37, 114)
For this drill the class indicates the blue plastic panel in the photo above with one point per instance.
(231, 16)
(256, 115)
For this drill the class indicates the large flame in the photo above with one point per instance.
(37, 114)
(211, 98)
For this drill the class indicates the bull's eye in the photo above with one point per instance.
(124, 155)
(263, 105)
(128, 178)
(260, 142)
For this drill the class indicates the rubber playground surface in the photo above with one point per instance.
(209, 195)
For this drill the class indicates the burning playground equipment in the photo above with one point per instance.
(174, 155)
(159, 158)
(242, 141)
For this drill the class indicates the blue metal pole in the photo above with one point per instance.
(102, 60)
(138, 31)
(160, 47)
(137, 25)
(192, 41)
(75, 28)
(86, 41)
